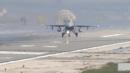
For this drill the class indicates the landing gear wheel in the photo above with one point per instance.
(63, 35)
(76, 34)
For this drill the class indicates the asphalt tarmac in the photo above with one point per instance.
(29, 46)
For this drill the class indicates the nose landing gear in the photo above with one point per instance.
(76, 34)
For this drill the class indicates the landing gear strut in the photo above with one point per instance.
(76, 34)
(63, 35)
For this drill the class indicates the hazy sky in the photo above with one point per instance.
(103, 12)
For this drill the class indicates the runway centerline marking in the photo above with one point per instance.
(27, 53)
(27, 45)
(50, 46)
(113, 35)
(61, 53)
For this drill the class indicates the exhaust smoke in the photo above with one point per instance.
(65, 15)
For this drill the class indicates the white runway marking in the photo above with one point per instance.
(113, 35)
(27, 53)
(27, 45)
(61, 53)
(50, 46)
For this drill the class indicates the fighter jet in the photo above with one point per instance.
(68, 24)
(69, 27)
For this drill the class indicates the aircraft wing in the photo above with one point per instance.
(86, 26)
(57, 26)
(83, 26)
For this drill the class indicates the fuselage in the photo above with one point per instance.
(69, 27)
(68, 23)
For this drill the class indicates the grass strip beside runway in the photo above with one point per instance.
(108, 68)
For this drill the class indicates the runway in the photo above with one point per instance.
(42, 45)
